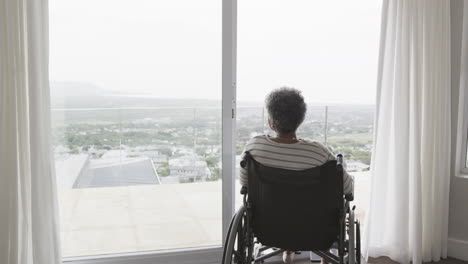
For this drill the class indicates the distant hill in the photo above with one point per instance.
(69, 89)
(86, 95)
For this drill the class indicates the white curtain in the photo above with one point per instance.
(408, 215)
(28, 206)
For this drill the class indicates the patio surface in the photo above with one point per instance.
(109, 220)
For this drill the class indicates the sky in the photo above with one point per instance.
(172, 49)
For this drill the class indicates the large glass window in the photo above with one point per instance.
(137, 113)
(136, 105)
(327, 49)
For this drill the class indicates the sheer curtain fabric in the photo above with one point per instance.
(408, 215)
(28, 206)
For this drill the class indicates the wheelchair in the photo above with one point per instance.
(308, 213)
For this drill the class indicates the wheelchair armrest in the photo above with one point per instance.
(243, 190)
(243, 163)
(245, 159)
(349, 197)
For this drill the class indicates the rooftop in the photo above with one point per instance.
(127, 173)
(114, 169)
(187, 161)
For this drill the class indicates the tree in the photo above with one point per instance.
(215, 174)
(166, 151)
(201, 151)
(212, 161)
(239, 149)
(163, 171)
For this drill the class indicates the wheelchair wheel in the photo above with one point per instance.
(351, 238)
(226, 241)
(358, 242)
(238, 246)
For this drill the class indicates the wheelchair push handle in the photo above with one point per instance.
(339, 159)
(243, 190)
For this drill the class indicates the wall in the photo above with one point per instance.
(458, 210)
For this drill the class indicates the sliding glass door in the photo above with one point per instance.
(150, 119)
(326, 49)
(136, 92)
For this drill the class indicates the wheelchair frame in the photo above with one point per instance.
(240, 242)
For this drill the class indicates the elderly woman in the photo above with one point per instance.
(286, 110)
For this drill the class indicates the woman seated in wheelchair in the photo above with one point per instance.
(286, 110)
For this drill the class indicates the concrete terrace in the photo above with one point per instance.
(96, 221)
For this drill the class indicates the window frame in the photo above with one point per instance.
(178, 256)
(464, 144)
(461, 148)
(202, 255)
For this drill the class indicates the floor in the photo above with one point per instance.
(385, 260)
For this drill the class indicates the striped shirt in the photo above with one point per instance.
(296, 156)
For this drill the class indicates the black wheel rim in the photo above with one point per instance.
(358, 242)
(227, 238)
(240, 253)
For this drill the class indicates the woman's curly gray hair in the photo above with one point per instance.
(286, 108)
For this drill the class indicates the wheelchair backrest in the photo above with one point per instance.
(295, 210)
